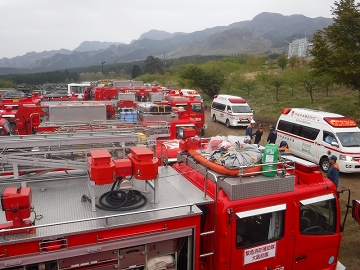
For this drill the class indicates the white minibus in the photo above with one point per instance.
(231, 110)
(316, 135)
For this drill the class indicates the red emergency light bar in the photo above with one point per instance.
(237, 100)
(192, 92)
(286, 110)
(234, 100)
(340, 122)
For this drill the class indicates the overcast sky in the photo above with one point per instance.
(39, 25)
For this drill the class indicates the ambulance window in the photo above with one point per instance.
(218, 106)
(349, 139)
(328, 137)
(309, 133)
(259, 228)
(318, 216)
(299, 130)
(286, 126)
(241, 109)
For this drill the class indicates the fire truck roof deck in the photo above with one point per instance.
(62, 212)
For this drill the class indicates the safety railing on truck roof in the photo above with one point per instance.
(4, 232)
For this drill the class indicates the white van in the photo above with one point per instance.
(316, 135)
(191, 92)
(231, 110)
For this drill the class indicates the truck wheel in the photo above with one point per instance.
(202, 132)
(227, 123)
(324, 164)
(214, 118)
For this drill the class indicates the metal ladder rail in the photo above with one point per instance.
(65, 140)
(44, 162)
(82, 102)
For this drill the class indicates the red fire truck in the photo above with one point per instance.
(13, 103)
(36, 98)
(194, 108)
(27, 118)
(132, 214)
(142, 94)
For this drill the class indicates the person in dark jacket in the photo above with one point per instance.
(258, 133)
(249, 131)
(272, 135)
(333, 172)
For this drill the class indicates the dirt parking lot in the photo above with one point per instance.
(350, 251)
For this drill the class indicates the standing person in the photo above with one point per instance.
(272, 135)
(249, 129)
(333, 172)
(258, 133)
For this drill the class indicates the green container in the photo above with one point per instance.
(271, 155)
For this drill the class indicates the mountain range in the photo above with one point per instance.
(265, 32)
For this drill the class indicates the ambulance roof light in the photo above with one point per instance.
(340, 122)
(286, 110)
(237, 100)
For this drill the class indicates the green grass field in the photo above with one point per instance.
(263, 102)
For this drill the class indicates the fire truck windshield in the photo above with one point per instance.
(197, 108)
(349, 139)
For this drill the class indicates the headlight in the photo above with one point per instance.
(346, 158)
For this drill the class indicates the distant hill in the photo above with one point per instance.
(159, 35)
(87, 46)
(265, 32)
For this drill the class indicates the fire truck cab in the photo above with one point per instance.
(194, 108)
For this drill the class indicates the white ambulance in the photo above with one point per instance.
(231, 110)
(316, 135)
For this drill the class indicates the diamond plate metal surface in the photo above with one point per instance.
(249, 187)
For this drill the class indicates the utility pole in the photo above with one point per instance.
(102, 66)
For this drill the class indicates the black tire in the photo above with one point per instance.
(324, 164)
(227, 123)
(214, 118)
(202, 132)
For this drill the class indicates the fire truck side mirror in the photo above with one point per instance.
(356, 210)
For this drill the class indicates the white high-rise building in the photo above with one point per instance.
(299, 47)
